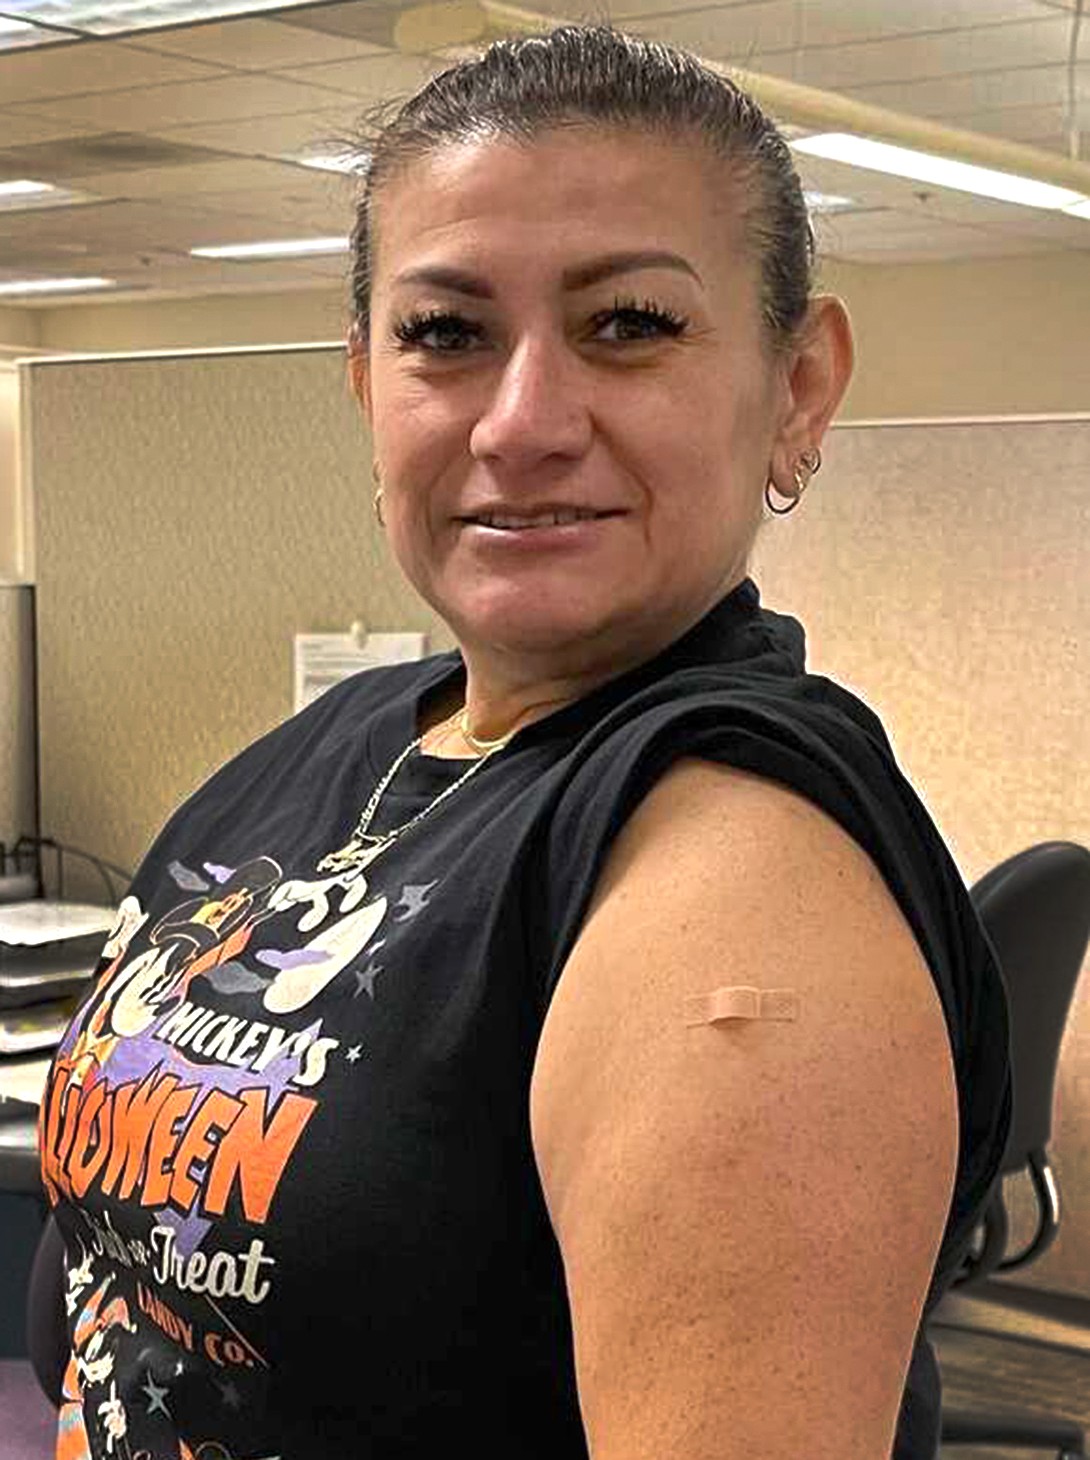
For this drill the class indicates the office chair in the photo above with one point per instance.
(1035, 907)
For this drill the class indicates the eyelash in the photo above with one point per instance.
(410, 331)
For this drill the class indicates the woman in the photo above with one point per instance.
(580, 1043)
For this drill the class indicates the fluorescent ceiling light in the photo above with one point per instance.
(21, 187)
(283, 248)
(827, 202)
(346, 162)
(26, 198)
(52, 286)
(944, 172)
(16, 34)
(1080, 209)
(113, 17)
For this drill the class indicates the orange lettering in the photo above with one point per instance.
(52, 1175)
(132, 1128)
(164, 1140)
(82, 1169)
(255, 1153)
(218, 1112)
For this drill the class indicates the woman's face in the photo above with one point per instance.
(569, 325)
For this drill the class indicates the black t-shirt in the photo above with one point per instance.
(287, 1134)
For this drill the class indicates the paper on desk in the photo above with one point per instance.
(41, 1026)
(323, 660)
(44, 920)
(24, 1079)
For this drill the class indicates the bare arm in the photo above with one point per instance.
(749, 1212)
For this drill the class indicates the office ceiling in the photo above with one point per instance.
(176, 138)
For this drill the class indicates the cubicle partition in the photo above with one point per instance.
(195, 511)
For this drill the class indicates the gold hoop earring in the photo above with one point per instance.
(781, 511)
(807, 465)
(377, 503)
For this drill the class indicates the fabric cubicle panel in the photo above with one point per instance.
(942, 569)
(193, 513)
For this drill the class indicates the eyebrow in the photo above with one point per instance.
(580, 276)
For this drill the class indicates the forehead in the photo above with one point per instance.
(564, 192)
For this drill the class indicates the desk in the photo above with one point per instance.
(22, 1079)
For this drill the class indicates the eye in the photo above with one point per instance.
(636, 321)
(450, 331)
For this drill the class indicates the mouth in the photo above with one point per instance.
(513, 522)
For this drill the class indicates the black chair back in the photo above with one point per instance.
(1035, 908)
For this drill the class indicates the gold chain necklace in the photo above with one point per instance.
(364, 846)
(482, 747)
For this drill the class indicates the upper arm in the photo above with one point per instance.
(749, 1213)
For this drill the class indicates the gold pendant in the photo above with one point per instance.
(354, 855)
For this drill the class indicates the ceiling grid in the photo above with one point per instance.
(174, 138)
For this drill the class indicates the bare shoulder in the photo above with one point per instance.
(749, 1212)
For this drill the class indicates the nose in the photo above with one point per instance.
(537, 407)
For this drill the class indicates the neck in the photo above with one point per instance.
(505, 690)
(499, 700)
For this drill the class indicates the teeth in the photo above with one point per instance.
(546, 519)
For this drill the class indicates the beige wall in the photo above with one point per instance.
(181, 324)
(18, 330)
(972, 337)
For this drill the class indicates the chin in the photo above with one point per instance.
(529, 624)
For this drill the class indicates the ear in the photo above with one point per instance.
(359, 370)
(818, 371)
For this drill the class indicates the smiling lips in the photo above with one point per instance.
(548, 517)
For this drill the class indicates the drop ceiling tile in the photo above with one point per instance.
(252, 44)
(204, 276)
(228, 276)
(910, 200)
(1031, 124)
(835, 22)
(987, 91)
(944, 205)
(196, 101)
(284, 215)
(210, 177)
(725, 33)
(18, 130)
(332, 266)
(120, 226)
(370, 79)
(157, 294)
(862, 184)
(937, 249)
(70, 159)
(1052, 227)
(269, 136)
(842, 22)
(1058, 143)
(891, 223)
(946, 53)
(91, 66)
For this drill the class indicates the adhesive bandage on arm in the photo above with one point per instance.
(741, 1002)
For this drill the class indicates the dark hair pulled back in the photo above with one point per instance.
(576, 75)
